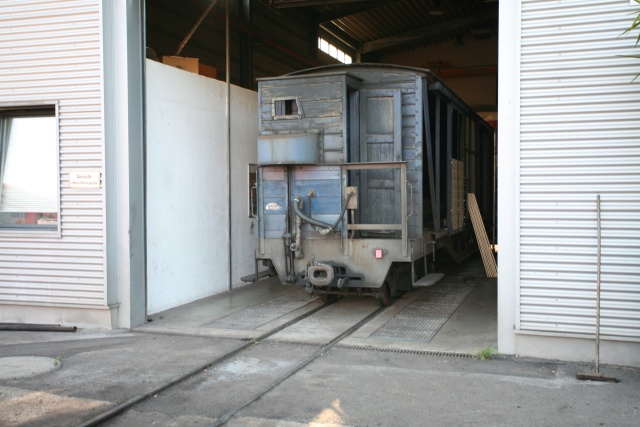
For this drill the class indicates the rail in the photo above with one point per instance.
(115, 410)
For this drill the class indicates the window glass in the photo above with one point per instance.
(28, 170)
(332, 50)
(324, 45)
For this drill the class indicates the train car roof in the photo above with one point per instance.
(355, 67)
(351, 70)
(366, 67)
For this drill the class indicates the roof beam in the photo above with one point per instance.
(339, 35)
(332, 9)
(421, 33)
(284, 4)
(331, 14)
(266, 38)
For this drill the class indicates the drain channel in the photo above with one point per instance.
(406, 351)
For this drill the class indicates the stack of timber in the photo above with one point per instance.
(481, 235)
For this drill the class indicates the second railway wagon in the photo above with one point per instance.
(363, 173)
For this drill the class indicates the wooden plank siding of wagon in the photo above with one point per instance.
(322, 103)
(380, 141)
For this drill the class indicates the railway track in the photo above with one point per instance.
(131, 403)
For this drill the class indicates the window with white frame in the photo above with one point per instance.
(334, 51)
(29, 194)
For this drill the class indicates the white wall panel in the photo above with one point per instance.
(51, 51)
(579, 137)
(187, 208)
(244, 150)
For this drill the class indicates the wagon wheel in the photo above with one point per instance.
(386, 299)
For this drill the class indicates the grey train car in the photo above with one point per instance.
(363, 173)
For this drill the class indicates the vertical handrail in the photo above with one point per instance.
(251, 199)
(410, 199)
(405, 218)
(259, 205)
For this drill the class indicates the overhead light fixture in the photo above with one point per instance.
(436, 10)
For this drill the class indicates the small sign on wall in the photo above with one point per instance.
(84, 179)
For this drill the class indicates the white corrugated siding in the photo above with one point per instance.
(50, 50)
(580, 136)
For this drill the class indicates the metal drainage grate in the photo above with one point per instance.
(405, 351)
(422, 319)
(258, 315)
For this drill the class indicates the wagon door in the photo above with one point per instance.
(380, 141)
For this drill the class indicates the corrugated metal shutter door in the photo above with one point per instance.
(51, 51)
(580, 136)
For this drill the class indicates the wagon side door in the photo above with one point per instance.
(380, 141)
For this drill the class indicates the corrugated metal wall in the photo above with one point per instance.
(580, 136)
(51, 51)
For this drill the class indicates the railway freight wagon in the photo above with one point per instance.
(363, 173)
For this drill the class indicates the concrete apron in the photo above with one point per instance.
(466, 326)
(457, 315)
(343, 387)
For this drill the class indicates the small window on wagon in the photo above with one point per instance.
(29, 176)
(287, 108)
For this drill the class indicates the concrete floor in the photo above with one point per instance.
(470, 328)
(343, 386)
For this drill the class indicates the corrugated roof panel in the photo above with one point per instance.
(391, 19)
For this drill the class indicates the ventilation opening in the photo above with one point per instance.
(287, 108)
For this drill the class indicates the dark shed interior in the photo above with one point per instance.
(456, 39)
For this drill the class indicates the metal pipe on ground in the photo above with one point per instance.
(34, 327)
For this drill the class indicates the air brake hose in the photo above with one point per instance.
(308, 219)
